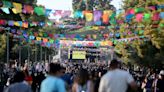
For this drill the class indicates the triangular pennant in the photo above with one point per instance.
(47, 12)
(89, 16)
(78, 14)
(139, 17)
(3, 22)
(39, 10)
(17, 7)
(7, 4)
(38, 38)
(162, 15)
(45, 40)
(28, 9)
(25, 24)
(16, 23)
(5, 10)
(11, 23)
(156, 16)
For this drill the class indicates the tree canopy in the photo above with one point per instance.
(149, 52)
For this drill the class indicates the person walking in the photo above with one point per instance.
(53, 82)
(19, 84)
(116, 80)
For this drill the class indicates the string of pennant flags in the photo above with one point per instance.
(58, 43)
(108, 35)
(97, 16)
(61, 40)
(24, 24)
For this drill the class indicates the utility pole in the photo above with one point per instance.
(7, 38)
(36, 53)
(28, 54)
(45, 57)
(20, 52)
(40, 53)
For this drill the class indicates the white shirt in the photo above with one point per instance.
(115, 81)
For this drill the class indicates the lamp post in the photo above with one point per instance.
(35, 54)
(45, 57)
(7, 38)
(28, 54)
(20, 52)
(40, 53)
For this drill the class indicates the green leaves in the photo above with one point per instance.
(2, 45)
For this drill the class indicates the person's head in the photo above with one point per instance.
(82, 76)
(12, 64)
(55, 69)
(161, 74)
(63, 70)
(114, 64)
(19, 76)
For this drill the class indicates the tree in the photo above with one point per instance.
(2, 45)
(92, 5)
(19, 17)
(148, 53)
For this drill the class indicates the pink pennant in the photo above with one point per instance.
(139, 17)
(152, 7)
(131, 11)
(2, 22)
(156, 16)
(28, 9)
(120, 21)
(58, 12)
(66, 14)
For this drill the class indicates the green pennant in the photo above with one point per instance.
(115, 42)
(7, 4)
(31, 33)
(141, 32)
(161, 25)
(137, 10)
(31, 24)
(49, 23)
(147, 16)
(39, 10)
(51, 41)
(45, 35)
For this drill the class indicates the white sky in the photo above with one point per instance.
(56, 4)
(117, 3)
(67, 4)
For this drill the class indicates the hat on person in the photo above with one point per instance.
(161, 72)
(28, 78)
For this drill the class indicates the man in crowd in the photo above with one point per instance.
(19, 84)
(160, 82)
(116, 80)
(53, 82)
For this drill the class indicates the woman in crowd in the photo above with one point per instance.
(82, 82)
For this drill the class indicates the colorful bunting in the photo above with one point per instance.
(139, 17)
(6, 10)
(39, 10)
(17, 8)
(147, 16)
(7, 4)
(156, 16)
(162, 15)
(47, 12)
(27, 9)
(97, 17)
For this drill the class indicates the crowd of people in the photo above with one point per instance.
(79, 77)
